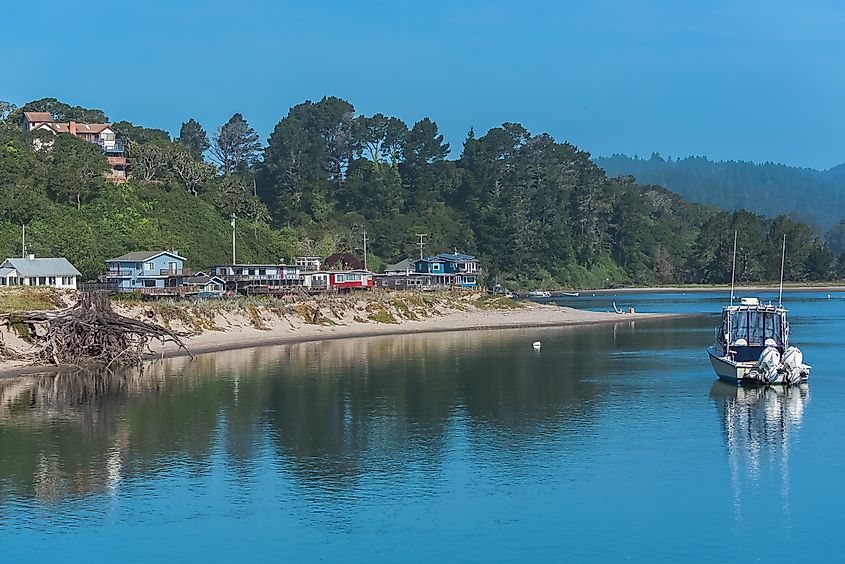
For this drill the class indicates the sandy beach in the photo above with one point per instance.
(237, 330)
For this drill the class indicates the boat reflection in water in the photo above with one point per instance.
(759, 424)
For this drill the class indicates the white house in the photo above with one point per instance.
(31, 271)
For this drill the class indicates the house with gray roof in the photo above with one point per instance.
(31, 271)
(403, 267)
(146, 270)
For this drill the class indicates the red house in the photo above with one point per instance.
(337, 279)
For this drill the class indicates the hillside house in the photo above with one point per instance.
(147, 271)
(100, 134)
(450, 269)
(31, 271)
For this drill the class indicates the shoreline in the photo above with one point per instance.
(535, 316)
(727, 288)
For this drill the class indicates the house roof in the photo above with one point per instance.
(139, 256)
(37, 116)
(430, 259)
(402, 265)
(56, 127)
(81, 127)
(202, 280)
(5, 271)
(457, 257)
(42, 266)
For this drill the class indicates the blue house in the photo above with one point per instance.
(146, 270)
(450, 269)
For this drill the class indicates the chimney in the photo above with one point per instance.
(72, 128)
(30, 257)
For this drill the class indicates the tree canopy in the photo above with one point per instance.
(536, 210)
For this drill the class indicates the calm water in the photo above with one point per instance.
(613, 443)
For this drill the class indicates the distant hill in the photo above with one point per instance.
(817, 197)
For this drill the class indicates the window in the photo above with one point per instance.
(149, 283)
(42, 280)
(262, 271)
(149, 266)
(338, 278)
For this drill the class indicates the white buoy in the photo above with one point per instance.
(536, 345)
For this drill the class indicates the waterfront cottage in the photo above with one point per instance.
(147, 272)
(31, 271)
(343, 280)
(404, 281)
(203, 285)
(259, 278)
(450, 269)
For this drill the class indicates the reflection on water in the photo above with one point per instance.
(759, 423)
(331, 409)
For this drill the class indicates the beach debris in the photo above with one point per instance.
(536, 345)
(90, 332)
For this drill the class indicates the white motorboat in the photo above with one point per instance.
(752, 346)
(539, 294)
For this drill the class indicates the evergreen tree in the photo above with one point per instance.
(193, 137)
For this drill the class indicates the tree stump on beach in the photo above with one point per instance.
(91, 332)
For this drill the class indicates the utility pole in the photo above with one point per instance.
(365, 249)
(23, 240)
(421, 243)
(233, 239)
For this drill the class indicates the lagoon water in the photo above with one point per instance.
(615, 442)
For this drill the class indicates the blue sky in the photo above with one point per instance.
(759, 80)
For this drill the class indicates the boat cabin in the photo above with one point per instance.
(750, 327)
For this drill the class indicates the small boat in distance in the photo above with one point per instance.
(752, 342)
(570, 294)
(539, 294)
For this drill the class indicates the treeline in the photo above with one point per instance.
(537, 211)
(771, 189)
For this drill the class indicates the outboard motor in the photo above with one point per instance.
(769, 365)
(793, 364)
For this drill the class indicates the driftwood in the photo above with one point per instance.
(91, 332)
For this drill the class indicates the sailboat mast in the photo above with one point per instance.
(782, 262)
(733, 270)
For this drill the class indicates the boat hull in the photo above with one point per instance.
(742, 372)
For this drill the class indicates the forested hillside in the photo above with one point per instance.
(537, 211)
(817, 197)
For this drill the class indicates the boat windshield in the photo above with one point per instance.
(755, 327)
